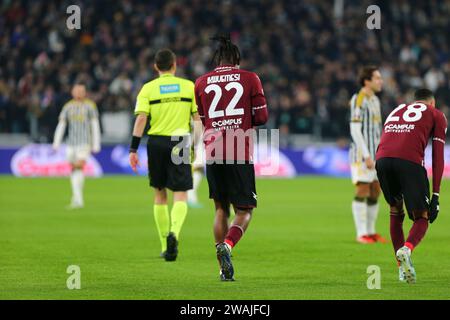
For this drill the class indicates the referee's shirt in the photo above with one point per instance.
(169, 102)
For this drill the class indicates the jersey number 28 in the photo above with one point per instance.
(412, 114)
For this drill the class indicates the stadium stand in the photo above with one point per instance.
(308, 59)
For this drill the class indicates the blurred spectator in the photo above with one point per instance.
(307, 53)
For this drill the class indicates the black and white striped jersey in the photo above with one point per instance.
(78, 115)
(366, 110)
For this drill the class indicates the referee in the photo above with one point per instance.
(169, 103)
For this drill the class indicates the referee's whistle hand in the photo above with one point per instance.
(134, 161)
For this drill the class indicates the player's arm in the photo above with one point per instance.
(139, 125)
(260, 114)
(138, 131)
(141, 110)
(198, 128)
(198, 101)
(60, 128)
(196, 121)
(438, 143)
(356, 132)
(358, 138)
(95, 128)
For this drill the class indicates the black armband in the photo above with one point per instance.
(135, 143)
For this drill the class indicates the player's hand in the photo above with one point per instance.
(134, 161)
(434, 207)
(370, 164)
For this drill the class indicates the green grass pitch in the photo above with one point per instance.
(300, 245)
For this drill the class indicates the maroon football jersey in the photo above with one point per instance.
(406, 133)
(230, 102)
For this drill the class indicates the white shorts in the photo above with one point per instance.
(360, 173)
(78, 153)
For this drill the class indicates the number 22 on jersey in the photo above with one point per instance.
(231, 109)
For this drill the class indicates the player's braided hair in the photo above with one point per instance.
(226, 52)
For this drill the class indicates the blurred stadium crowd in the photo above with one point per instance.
(307, 54)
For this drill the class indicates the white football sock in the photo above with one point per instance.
(77, 182)
(197, 179)
(372, 214)
(359, 209)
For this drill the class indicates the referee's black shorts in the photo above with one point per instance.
(163, 172)
(403, 179)
(233, 183)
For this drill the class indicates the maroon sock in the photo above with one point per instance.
(416, 233)
(234, 235)
(397, 236)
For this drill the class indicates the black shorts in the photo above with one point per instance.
(234, 183)
(163, 172)
(403, 179)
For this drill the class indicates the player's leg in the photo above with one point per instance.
(82, 155)
(198, 170)
(221, 220)
(397, 216)
(418, 229)
(242, 192)
(179, 180)
(178, 212)
(157, 157)
(238, 226)
(77, 183)
(359, 209)
(416, 191)
(223, 252)
(391, 186)
(197, 175)
(177, 217)
(161, 215)
(416, 234)
(372, 211)
(217, 183)
(235, 232)
(76, 177)
(417, 195)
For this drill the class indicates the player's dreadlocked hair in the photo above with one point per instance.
(227, 52)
